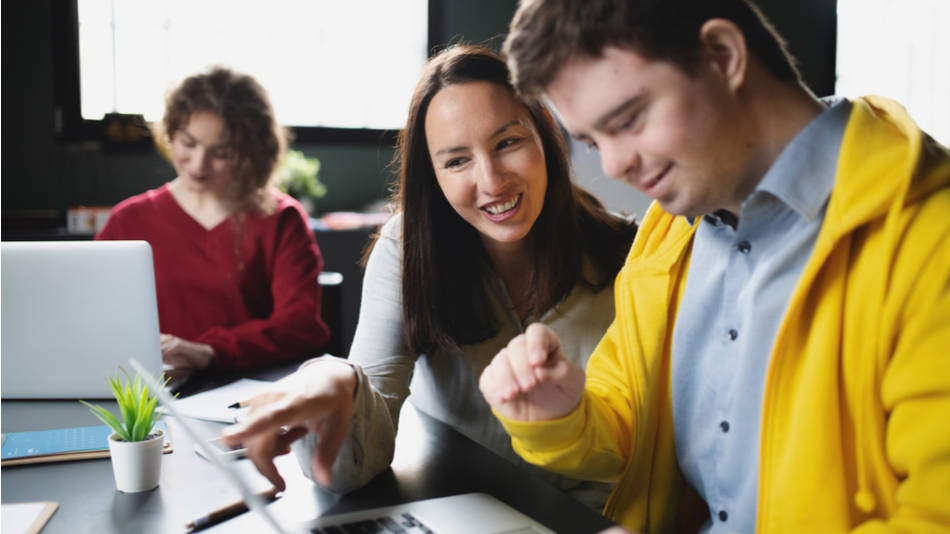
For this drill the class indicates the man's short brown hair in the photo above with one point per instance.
(545, 34)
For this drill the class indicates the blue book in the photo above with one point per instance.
(61, 444)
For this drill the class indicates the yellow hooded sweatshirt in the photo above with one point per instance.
(856, 406)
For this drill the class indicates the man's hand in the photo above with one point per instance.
(183, 356)
(531, 380)
(318, 399)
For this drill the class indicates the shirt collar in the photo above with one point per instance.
(804, 173)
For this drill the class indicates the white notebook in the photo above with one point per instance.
(218, 404)
(25, 517)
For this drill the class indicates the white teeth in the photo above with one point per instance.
(495, 209)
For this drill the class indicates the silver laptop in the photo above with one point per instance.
(71, 313)
(469, 513)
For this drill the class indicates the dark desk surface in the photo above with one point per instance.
(432, 460)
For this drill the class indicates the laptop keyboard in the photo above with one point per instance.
(405, 523)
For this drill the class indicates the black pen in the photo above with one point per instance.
(216, 516)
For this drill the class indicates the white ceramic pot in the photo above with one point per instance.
(136, 465)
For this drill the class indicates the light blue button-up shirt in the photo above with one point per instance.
(737, 289)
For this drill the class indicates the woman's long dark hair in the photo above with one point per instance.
(444, 266)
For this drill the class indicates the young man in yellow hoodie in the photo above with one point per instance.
(781, 346)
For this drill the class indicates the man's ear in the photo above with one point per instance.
(723, 43)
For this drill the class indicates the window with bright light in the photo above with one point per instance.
(899, 49)
(338, 64)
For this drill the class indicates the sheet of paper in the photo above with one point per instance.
(212, 405)
(26, 517)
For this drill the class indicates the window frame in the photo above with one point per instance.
(70, 126)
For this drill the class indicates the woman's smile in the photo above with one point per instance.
(499, 211)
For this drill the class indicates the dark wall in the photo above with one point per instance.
(810, 27)
(31, 172)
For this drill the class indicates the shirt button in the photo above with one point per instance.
(724, 426)
(744, 246)
(733, 334)
(723, 515)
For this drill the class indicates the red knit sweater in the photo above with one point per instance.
(256, 307)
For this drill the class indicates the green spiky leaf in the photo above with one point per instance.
(136, 407)
(110, 420)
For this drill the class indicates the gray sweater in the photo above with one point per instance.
(444, 384)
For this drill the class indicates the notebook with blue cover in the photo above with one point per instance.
(61, 444)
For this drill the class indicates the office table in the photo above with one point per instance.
(431, 460)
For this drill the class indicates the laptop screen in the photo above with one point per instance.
(72, 312)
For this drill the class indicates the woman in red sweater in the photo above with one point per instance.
(236, 264)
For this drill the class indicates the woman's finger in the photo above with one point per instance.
(261, 452)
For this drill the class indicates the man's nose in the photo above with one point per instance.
(619, 160)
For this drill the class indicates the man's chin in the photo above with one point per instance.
(677, 207)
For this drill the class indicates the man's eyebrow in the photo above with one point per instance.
(581, 138)
(601, 122)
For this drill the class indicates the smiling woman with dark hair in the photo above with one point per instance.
(236, 264)
(489, 235)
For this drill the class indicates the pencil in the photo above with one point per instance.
(227, 512)
(241, 404)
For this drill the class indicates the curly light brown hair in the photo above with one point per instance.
(257, 142)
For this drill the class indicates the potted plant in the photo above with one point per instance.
(298, 177)
(135, 445)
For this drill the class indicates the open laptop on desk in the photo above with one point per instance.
(469, 513)
(72, 312)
